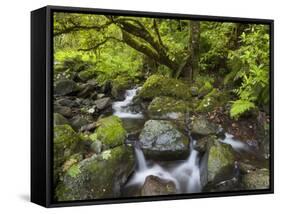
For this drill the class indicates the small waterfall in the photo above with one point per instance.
(236, 144)
(141, 162)
(186, 176)
(188, 173)
(122, 108)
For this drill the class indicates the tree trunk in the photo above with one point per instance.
(194, 47)
(190, 67)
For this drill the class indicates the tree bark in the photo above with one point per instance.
(194, 47)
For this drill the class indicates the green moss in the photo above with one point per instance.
(86, 74)
(98, 176)
(157, 85)
(74, 171)
(212, 100)
(66, 141)
(162, 105)
(205, 89)
(258, 179)
(111, 132)
(220, 156)
(59, 119)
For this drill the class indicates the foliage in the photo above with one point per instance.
(232, 55)
(239, 107)
(253, 72)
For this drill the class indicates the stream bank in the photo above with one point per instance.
(153, 140)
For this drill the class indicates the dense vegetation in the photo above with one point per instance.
(235, 56)
(215, 70)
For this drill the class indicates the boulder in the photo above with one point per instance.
(65, 87)
(161, 140)
(255, 180)
(63, 110)
(103, 103)
(201, 126)
(59, 119)
(98, 177)
(220, 157)
(66, 141)
(167, 108)
(86, 90)
(78, 121)
(158, 85)
(67, 102)
(110, 132)
(154, 185)
(202, 144)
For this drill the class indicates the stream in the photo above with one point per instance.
(185, 174)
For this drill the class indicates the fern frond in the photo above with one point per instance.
(239, 107)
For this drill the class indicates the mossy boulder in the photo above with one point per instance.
(258, 179)
(220, 157)
(201, 126)
(59, 119)
(160, 140)
(119, 85)
(158, 85)
(167, 107)
(98, 177)
(215, 98)
(154, 185)
(66, 141)
(111, 132)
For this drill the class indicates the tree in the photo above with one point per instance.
(139, 33)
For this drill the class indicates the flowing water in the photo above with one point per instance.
(122, 108)
(185, 174)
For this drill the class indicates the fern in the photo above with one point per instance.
(239, 107)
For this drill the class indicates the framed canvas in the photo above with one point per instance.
(131, 106)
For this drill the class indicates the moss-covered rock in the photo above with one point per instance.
(220, 157)
(157, 85)
(119, 85)
(59, 119)
(154, 185)
(160, 140)
(66, 140)
(111, 132)
(167, 107)
(201, 126)
(258, 179)
(215, 98)
(98, 177)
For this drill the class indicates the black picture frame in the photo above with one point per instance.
(41, 105)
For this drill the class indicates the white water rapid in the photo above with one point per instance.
(122, 108)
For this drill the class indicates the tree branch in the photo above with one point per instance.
(96, 46)
(76, 27)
